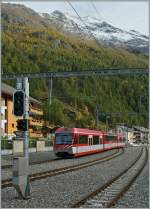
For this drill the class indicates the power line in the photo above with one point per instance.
(70, 97)
(100, 16)
(89, 32)
(93, 5)
(65, 74)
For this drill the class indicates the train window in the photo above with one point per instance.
(75, 141)
(124, 139)
(95, 139)
(101, 140)
(120, 139)
(62, 138)
(110, 137)
(83, 139)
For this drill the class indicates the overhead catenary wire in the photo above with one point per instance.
(89, 32)
(98, 14)
(68, 97)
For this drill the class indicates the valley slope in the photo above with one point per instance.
(31, 44)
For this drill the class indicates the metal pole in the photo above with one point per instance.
(26, 139)
(25, 116)
(19, 84)
(97, 118)
(106, 123)
(127, 134)
(21, 164)
(140, 103)
(50, 88)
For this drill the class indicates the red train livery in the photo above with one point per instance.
(77, 141)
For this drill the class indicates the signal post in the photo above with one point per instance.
(21, 164)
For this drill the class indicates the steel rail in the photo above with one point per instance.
(66, 74)
(106, 196)
(42, 161)
(45, 174)
(32, 163)
(128, 185)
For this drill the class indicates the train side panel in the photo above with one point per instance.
(77, 142)
(87, 144)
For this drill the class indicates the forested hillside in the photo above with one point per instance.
(38, 47)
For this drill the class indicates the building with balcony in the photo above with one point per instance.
(35, 120)
(134, 134)
(9, 121)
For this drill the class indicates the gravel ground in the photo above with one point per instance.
(33, 157)
(135, 197)
(65, 189)
(7, 173)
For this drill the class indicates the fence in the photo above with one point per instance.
(8, 144)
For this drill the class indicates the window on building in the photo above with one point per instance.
(95, 139)
(83, 139)
(12, 125)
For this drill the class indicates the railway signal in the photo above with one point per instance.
(22, 125)
(21, 164)
(18, 102)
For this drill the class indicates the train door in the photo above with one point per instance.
(90, 142)
(101, 141)
(104, 141)
(75, 144)
(118, 141)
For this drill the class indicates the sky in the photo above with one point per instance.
(128, 15)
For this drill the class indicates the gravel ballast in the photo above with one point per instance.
(138, 194)
(65, 189)
(33, 157)
(7, 173)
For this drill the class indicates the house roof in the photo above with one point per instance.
(134, 128)
(142, 129)
(5, 88)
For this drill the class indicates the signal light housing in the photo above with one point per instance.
(18, 103)
(22, 125)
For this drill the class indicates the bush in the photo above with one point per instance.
(6, 144)
(32, 143)
(48, 143)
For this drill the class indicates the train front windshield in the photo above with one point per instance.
(63, 138)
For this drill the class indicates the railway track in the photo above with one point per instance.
(38, 162)
(45, 174)
(33, 163)
(108, 194)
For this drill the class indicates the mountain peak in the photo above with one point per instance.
(58, 14)
(104, 32)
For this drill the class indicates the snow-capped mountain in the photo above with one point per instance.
(104, 32)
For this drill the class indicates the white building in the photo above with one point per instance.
(3, 120)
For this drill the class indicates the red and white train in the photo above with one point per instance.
(78, 141)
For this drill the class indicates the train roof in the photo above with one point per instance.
(78, 130)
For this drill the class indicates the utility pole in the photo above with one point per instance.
(106, 124)
(50, 88)
(50, 85)
(97, 118)
(140, 103)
